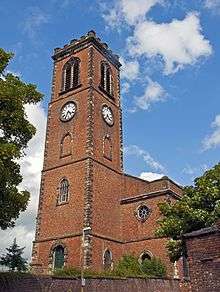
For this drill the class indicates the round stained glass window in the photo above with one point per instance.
(143, 212)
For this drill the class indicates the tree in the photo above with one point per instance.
(199, 207)
(13, 259)
(15, 132)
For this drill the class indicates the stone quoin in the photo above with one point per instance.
(83, 186)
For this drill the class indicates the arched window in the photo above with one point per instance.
(107, 147)
(71, 74)
(107, 259)
(106, 83)
(66, 145)
(58, 257)
(145, 256)
(63, 191)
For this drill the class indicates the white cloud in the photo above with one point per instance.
(35, 19)
(129, 11)
(135, 10)
(213, 140)
(125, 87)
(178, 43)
(31, 166)
(149, 160)
(213, 5)
(150, 176)
(154, 92)
(129, 69)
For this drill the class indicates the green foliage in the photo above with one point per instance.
(154, 267)
(199, 207)
(13, 259)
(15, 132)
(67, 272)
(128, 266)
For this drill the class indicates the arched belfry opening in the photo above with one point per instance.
(71, 74)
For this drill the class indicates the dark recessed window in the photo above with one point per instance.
(106, 83)
(58, 257)
(63, 196)
(71, 74)
(107, 259)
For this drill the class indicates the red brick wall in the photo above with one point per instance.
(204, 262)
(41, 284)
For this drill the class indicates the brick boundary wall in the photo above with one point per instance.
(203, 249)
(31, 283)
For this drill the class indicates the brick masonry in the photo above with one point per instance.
(102, 196)
(42, 284)
(203, 249)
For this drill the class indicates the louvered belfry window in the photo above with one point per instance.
(106, 83)
(71, 74)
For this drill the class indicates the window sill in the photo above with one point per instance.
(107, 157)
(71, 89)
(106, 92)
(62, 203)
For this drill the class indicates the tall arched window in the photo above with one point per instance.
(106, 83)
(71, 74)
(63, 191)
(58, 257)
(107, 259)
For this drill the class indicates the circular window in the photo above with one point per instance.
(143, 212)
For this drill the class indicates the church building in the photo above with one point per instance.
(90, 212)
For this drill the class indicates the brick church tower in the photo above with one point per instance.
(84, 192)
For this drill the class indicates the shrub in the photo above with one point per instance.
(128, 266)
(153, 267)
(71, 271)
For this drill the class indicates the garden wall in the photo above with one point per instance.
(30, 283)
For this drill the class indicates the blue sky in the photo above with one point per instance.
(170, 78)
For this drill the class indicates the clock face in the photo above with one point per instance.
(68, 111)
(107, 115)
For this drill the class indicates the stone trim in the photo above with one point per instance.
(148, 196)
(88, 186)
(38, 219)
(58, 237)
(120, 123)
(100, 236)
(164, 178)
(80, 90)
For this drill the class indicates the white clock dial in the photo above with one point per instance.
(107, 115)
(68, 111)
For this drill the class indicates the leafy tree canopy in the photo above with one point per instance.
(199, 207)
(13, 259)
(15, 132)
